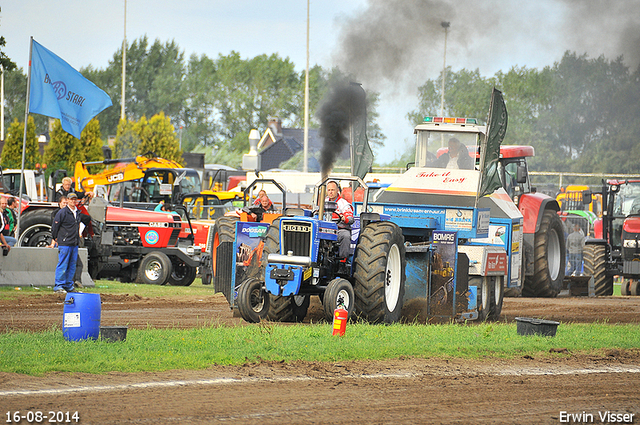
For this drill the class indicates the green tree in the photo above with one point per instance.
(127, 140)
(154, 82)
(64, 150)
(12, 151)
(158, 135)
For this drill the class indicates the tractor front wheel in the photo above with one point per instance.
(624, 287)
(490, 297)
(253, 301)
(339, 292)
(155, 269)
(380, 273)
(182, 274)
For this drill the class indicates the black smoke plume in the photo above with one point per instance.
(343, 105)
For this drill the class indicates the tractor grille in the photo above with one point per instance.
(296, 237)
(223, 276)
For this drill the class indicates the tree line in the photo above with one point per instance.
(580, 113)
(209, 102)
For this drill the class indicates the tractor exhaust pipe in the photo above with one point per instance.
(323, 195)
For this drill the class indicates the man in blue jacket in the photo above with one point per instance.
(66, 232)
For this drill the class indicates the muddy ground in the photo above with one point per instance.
(527, 390)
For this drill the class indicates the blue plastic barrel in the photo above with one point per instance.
(81, 316)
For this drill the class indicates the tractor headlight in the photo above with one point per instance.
(193, 250)
(630, 243)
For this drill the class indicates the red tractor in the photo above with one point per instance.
(615, 250)
(544, 257)
(144, 246)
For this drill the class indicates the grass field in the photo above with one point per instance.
(165, 349)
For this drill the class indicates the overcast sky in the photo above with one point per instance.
(393, 46)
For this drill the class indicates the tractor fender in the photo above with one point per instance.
(532, 207)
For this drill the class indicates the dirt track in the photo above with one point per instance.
(396, 391)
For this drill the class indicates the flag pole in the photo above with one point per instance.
(24, 142)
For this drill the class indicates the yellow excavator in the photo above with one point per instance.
(127, 169)
(144, 181)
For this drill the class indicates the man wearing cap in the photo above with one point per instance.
(66, 232)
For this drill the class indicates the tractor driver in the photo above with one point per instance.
(343, 215)
(457, 157)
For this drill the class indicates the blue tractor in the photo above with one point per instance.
(300, 259)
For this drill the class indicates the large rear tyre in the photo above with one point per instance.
(595, 265)
(253, 301)
(549, 258)
(224, 230)
(182, 274)
(288, 309)
(35, 228)
(380, 273)
(155, 269)
(339, 292)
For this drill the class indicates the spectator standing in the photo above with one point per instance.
(66, 189)
(66, 233)
(12, 212)
(61, 204)
(575, 246)
(343, 215)
(6, 225)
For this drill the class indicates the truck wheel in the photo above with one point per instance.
(253, 301)
(35, 228)
(595, 265)
(624, 287)
(155, 268)
(182, 274)
(549, 258)
(490, 297)
(224, 230)
(339, 291)
(379, 273)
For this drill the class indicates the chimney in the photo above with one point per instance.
(275, 125)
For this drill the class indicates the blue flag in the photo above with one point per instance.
(59, 91)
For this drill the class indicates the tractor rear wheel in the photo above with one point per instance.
(253, 300)
(549, 258)
(379, 273)
(339, 292)
(35, 228)
(155, 268)
(595, 265)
